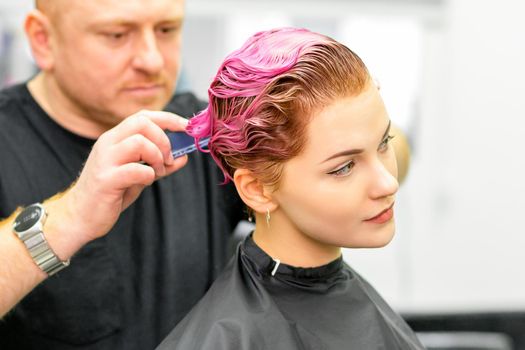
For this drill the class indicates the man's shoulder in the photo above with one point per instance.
(11, 102)
(185, 104)
(10, 95)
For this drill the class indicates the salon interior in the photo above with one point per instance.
(451, 75)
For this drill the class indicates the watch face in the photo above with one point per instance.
(27, 218)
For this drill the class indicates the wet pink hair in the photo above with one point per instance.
(264, 94)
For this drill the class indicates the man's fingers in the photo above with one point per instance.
(142, 126)
(150, 124)
(139, 149)
(133, 174)
(166, 120)
(178, 163)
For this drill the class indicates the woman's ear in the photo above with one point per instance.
(38, 31)
(253, 192)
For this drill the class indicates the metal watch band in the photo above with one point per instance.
(35, 241)
(43, 255)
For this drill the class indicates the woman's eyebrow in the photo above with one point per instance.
(350, 152)
(347, 152)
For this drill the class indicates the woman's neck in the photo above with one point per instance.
(284, 242)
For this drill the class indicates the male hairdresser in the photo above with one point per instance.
(114, 257)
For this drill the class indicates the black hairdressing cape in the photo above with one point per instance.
(327, 307)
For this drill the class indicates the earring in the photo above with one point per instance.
(268, 217)
(249, 212)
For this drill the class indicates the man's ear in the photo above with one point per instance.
(38, 31)
(253, 192)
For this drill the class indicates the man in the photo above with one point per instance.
(141, 255)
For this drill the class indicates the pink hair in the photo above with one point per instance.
(263, 95)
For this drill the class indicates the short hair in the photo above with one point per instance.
(265, 93)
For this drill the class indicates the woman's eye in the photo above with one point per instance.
(344, 170)
(384, 144)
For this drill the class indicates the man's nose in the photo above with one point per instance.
(148, 57)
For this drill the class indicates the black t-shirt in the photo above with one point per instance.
(128, 289)
(259, 304)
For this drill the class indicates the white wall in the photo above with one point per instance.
(467, 187)
(16, 63)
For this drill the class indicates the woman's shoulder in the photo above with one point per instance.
(230, 314)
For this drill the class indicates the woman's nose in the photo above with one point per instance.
(383, 179)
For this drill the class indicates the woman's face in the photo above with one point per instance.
(340, 190)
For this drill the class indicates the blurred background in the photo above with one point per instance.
(451, 75)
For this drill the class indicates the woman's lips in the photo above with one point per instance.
(385, 216)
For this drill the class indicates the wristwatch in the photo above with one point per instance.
(28, 226)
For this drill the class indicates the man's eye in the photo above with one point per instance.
(115, 35)
(168, 30)
(344, 170)
(384, 144)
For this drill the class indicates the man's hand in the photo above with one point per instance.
(122, 162)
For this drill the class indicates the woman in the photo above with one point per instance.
(299, 126)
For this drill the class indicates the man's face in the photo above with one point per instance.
(113, 58)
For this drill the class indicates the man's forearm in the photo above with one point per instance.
(18, 273)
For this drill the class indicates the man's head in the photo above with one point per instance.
(107, 59)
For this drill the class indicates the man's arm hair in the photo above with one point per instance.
(18, 273)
